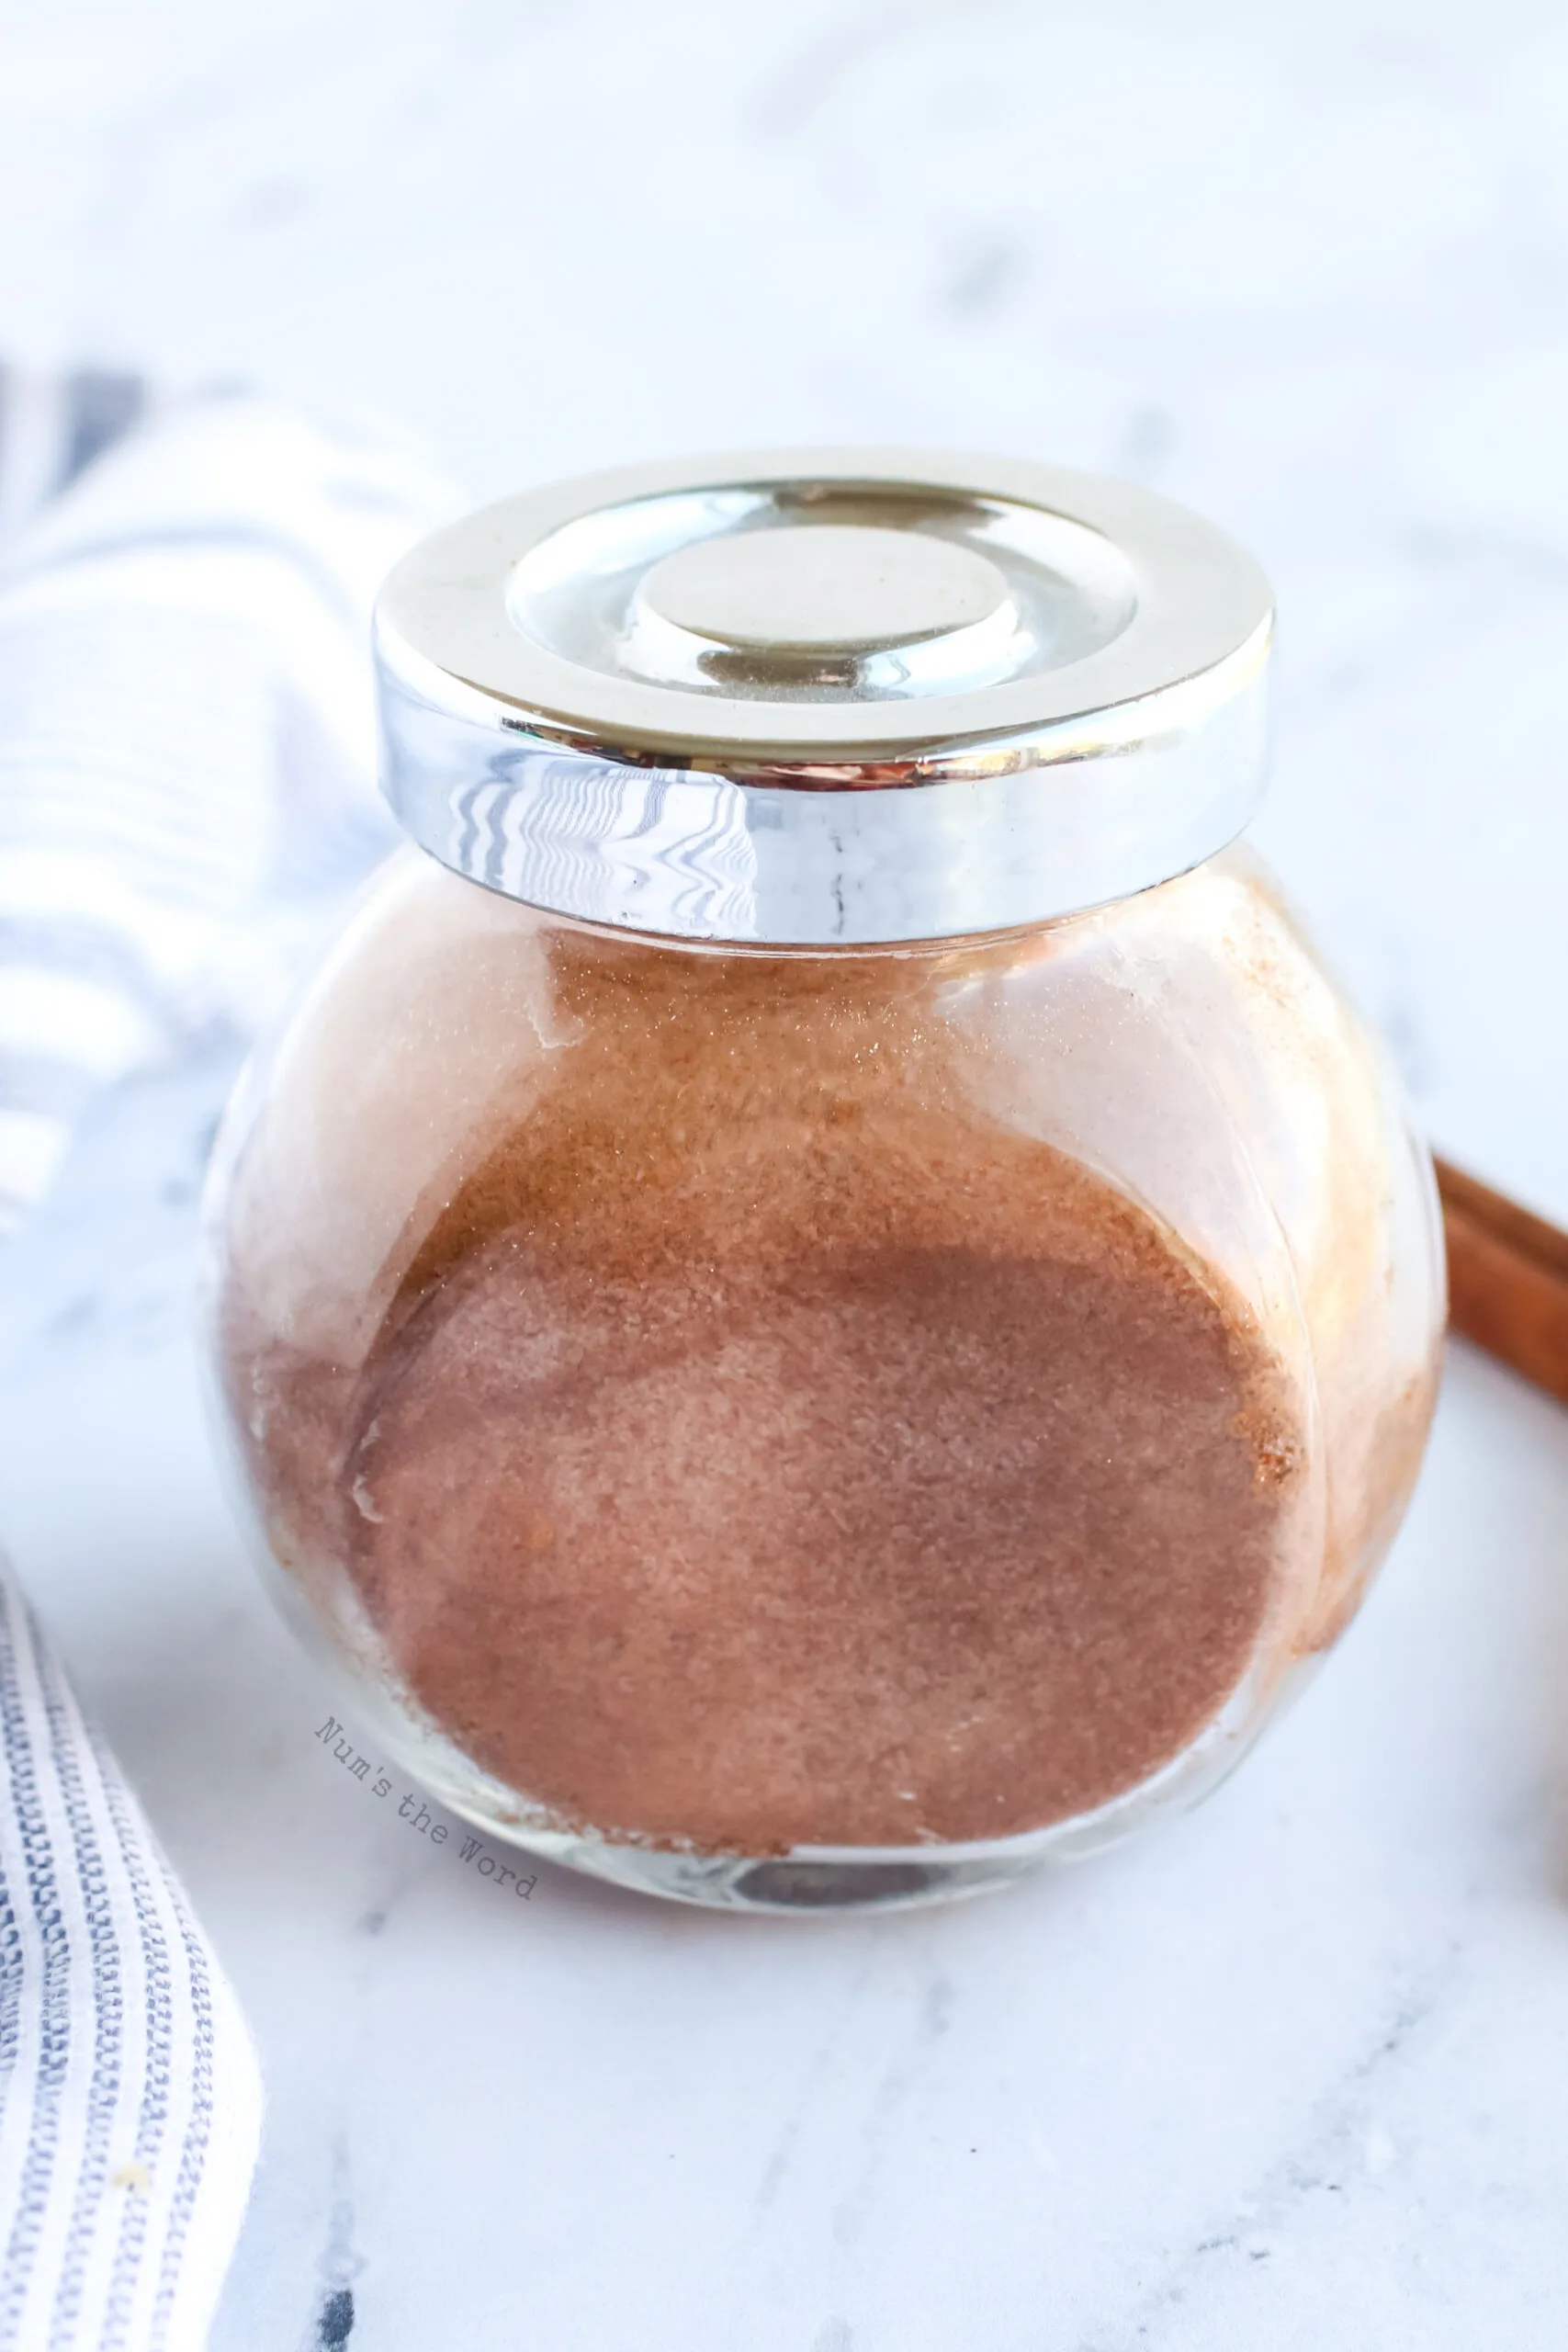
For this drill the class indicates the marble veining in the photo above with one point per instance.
(1289, 2074)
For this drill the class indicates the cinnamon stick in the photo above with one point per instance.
(1507, 1279)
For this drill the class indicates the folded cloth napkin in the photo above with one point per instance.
(186, 735)
(129, 2099)
(186, 794)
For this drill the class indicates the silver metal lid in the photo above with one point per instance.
(820, 696)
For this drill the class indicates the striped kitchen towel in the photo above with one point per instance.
(186, 793)
(187, 737)
(129, 2099)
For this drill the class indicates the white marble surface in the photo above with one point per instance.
(1291, 2073)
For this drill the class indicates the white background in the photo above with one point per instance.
(1291, 2075)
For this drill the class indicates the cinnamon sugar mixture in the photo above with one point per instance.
(765, 1445)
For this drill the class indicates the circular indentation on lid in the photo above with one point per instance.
(822, 594)
(823, 588)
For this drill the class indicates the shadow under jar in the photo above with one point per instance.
(821, 1302)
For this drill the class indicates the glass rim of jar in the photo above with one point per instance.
(661, 699)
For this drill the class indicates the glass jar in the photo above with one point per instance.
(822, 1301)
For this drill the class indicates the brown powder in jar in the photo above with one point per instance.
(767, 1446)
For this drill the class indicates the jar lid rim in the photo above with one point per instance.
(1049, 683)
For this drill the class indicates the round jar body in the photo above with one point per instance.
(791, 1428)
